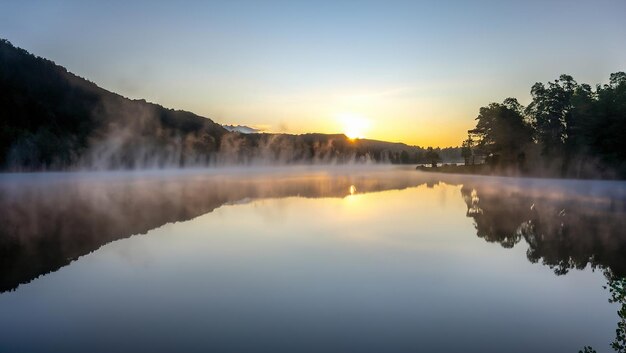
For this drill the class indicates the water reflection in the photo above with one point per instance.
(50, 220)
(563, 231)
(360, 270)
(617, 288)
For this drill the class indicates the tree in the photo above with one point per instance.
(578, 129)
(617, 288)
(466, 150)
(604, 135)
(551, 113)
(432, 157)
(502, 131)
(404, 157)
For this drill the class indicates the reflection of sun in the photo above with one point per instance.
(354, 126)
(352, 189)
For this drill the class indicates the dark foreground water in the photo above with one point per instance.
(308, 260)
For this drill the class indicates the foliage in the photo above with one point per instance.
(466, 150)
(617, 289)
(578, 130)
(503, 133)
(432, 157)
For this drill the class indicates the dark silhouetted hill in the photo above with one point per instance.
(52, 119)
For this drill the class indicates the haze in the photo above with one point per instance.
(414, 72)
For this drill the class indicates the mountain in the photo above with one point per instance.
(241, 128)
(52, 119)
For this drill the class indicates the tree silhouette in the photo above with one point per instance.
(432, 157)
(466, 151)
(503, 133)
(617, 289)
(562, 232)
(579, 131)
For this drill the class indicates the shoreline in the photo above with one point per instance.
(486, 170)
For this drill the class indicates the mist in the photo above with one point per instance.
(133, 136)
(51, 219)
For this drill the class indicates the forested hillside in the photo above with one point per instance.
(52, 119)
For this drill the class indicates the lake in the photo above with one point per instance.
(308, 259)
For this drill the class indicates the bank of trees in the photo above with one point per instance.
(568, 129)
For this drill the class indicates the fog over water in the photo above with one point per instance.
(309, 258)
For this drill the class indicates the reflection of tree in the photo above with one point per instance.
(617, 288)
(503, 227)
(562, 232)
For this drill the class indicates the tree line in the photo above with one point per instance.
(569, 129)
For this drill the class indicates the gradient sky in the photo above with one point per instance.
(408, 71)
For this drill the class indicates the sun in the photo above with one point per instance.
(354, 126)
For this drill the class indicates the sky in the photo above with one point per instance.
(407, 71)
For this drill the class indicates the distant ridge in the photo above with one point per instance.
(241, 129)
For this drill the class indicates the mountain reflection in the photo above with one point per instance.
(50, 220)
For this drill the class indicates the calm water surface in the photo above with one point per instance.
(307, 260)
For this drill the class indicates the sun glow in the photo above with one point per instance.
(354, 126)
